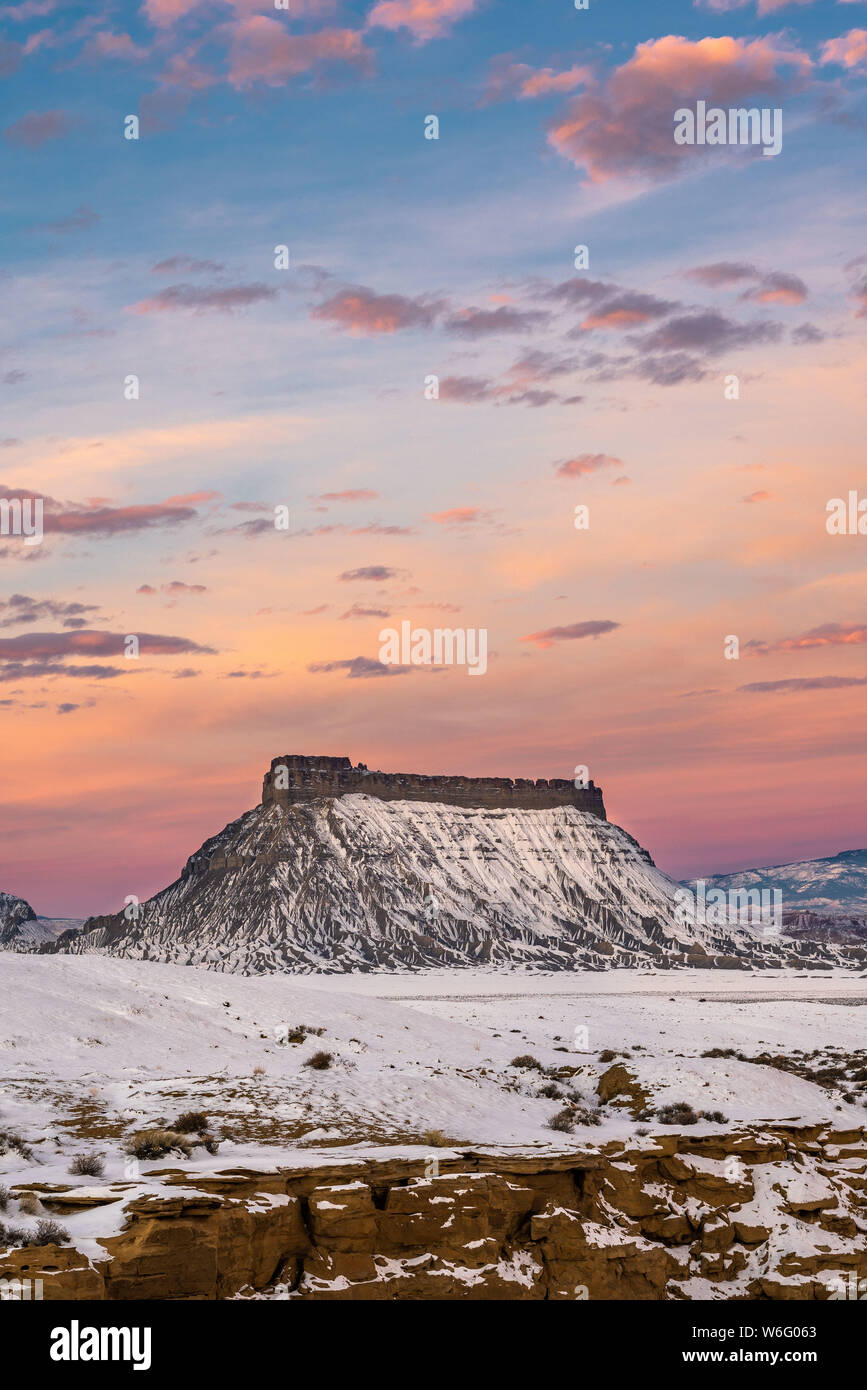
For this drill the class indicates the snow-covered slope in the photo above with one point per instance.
(355, 882)
(837, 884)
(22, 930)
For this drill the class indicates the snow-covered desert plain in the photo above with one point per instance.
(427, 1069)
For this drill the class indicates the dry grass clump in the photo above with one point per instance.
(680, 1112)
(574, 1114)
(87, 1165)
(320, 1061)
(191, 1122)
(156, 1143)
(435, 1139)
(13, 1143)
(301, 1031)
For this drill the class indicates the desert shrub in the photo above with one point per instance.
(680, 1112)
(258, 1071)
(28, 1202)
(300, 1031)
(642, 1132)
(716, 1116)
(12, 1236)
(88, 1165)
(526, 1060)
(720, 1052)
(48, 1233)
(436, 1139)
(607, 1055)
(156, 1143)
(4, 1197)
(320, 1061)
(13, 1143)
(562, 1121)
(191, 1122)
(586, 1115)
(551, 1092)
(209, 1142)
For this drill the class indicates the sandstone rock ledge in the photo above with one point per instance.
(776, 1213)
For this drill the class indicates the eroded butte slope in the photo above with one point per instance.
(357, 882)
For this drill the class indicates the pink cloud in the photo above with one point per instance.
(425, 19)
(360, 311)
(263, 50)
(573, 632)
(829, 635)
(164, 13)
(583, 464)
(459, 516)
(848, 51)
(795, 684)
(36, 127)
(625, 126)
(110, 45)
(778, 288)
(359, 494)
(519, 80)
(201, 299)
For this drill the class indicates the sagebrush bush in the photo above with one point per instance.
(551, 1091)
(88, 1165)
(526, 1059)
(10, 1142)
(191, 1122)
(298, 1032)
(12, 1237)
(320, 1061)
(562, 1121)
(680, 1112)
(586, 1115)
(48, 1233)
(156, 1143)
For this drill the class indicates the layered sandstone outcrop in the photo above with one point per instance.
(775, 1213)
(296, 777)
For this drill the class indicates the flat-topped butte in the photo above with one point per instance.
(296, 777)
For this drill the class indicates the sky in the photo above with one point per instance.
(428, 381)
